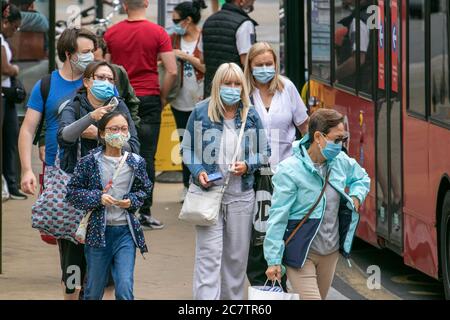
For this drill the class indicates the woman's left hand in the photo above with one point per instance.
(356, 203)
(180, 54)
(124, 204)
(240, 168)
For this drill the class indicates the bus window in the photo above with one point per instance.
(345, 43)
(416, 48)
(320, 39)
(440, 104)
(367, 46)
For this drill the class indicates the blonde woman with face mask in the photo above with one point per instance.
(209, 145)
(276, 99)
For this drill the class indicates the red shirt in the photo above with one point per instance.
(135, 45)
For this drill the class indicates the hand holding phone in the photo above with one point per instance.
(214, 176)
(113, 103)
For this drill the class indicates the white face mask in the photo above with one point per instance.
(84, 59)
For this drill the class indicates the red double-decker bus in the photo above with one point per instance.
(385, 65)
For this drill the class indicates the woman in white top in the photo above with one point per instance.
(277, 101)
(10, 23)
(186, 17)
(282, 110)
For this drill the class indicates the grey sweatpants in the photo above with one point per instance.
(221, 254)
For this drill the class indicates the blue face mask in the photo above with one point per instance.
(331, 150)
(103, 90)
(230, 96)
(178, 29)
(264, 74)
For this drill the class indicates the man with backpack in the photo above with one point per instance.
(76, 50)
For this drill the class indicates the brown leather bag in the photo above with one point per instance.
(309, 212)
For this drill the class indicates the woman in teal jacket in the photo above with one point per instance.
(312, 253)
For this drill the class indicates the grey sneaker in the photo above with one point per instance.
(16, 194)
(150, 223)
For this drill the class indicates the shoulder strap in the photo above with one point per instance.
(45, 87)
(236, 152)
(122, 162)
(310, 210)
(45, 90)
(116, 173)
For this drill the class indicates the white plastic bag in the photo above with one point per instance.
(5, 191)
(80, 235)
(272, 292)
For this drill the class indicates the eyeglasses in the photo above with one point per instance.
(102, 77)
(337, 140)
(177, 21)
(116, 129)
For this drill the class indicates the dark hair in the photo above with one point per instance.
(101, 44)
(323, 120)
(101, 125)
(5, 6)
(92, 68)
(68, 41)
(22, 4)
(14, 13)
(191, 9)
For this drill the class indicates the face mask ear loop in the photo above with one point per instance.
(71, 67)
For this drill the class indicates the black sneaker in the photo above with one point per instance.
(16, 194)
(150, 223)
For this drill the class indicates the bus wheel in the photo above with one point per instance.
(445, 244)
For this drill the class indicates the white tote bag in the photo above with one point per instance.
(272, 292)
(202, 207)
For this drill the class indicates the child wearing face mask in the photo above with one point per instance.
(111, 184)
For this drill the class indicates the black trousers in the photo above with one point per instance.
(10, 132)
(257, 266)
(150, 113)
(181, 119)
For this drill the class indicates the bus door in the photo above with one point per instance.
(389, 126)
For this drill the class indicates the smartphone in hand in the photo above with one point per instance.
(113, 103)
(214, 176)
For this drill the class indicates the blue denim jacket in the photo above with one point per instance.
(202, 138)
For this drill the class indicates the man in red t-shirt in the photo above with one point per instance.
(136, 44)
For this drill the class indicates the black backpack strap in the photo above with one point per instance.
(45, 90)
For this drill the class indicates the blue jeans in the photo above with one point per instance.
(119, 257)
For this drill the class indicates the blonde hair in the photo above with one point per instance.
(276, 84)
(216, 108)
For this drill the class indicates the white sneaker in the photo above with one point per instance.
(183, 194)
